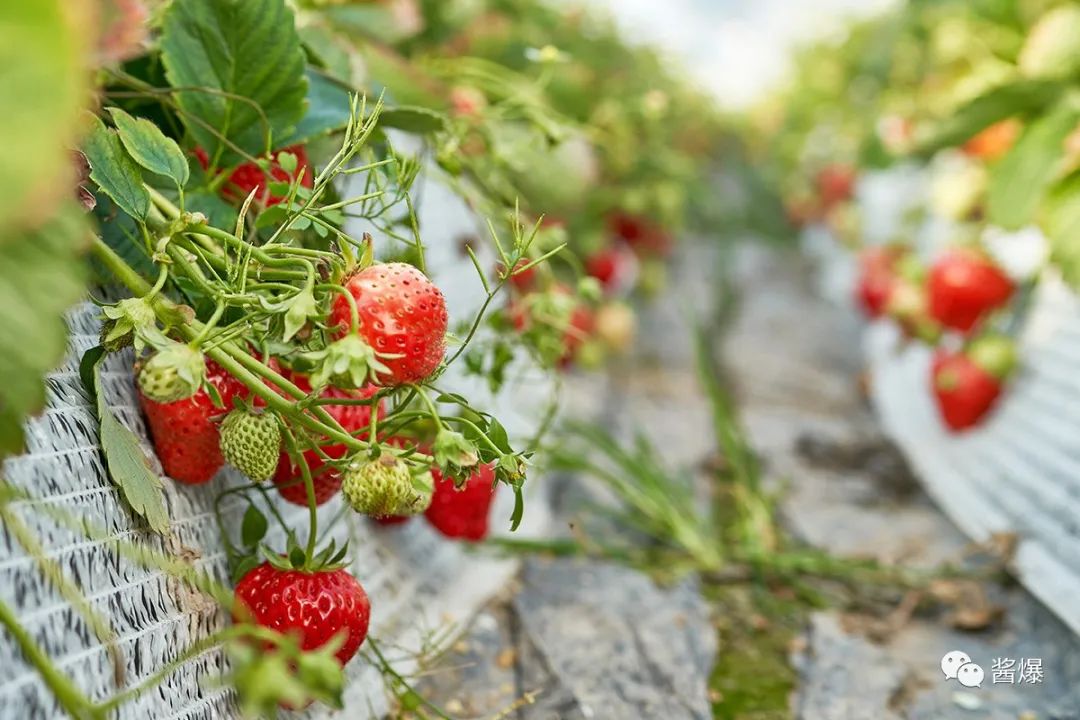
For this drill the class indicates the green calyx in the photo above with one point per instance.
(348, 363)
(385, 486)
(251, 442)
(130, 321)
(453, 452)
(174, 373)
(296, 557)
(994, 354)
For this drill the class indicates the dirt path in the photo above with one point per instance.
(794, 362)
(597, 641)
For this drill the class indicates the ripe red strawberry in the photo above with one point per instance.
(612, 266)
(963, 286)
(248, 176)
(644, 236)
(185, 436)
(462, 513)
(314, 606)
(520, 280)
(877, 278)
(327, 480)
(835, 184)
(402, 316)
(582, 322)
(466, 101)
(968, 384)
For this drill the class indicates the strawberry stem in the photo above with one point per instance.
(309, 485)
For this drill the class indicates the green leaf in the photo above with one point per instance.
(519, 508)
(413, 119)
(44, 83)
(327, 110)
(41, 275)
(329, 51)
(87, 369)
(121, 233)
(254, 527)
(239, 72)
(115, 172)
(218, 212)
(402, 80)
(129, 468)
(297, 557)
(497, 434)
(149, 147)
(1061, 213)
(1019, 180)
(1017, 98)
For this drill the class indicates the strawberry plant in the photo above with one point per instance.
(241, 198)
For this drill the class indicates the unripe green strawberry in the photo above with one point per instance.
(385, 487)
(172, 374)
(251, 443)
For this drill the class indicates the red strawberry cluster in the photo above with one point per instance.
(559, 322)
(958, 293)
(462, 512)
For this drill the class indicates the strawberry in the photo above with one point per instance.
(248, 176)
(877, 278)
(642, 235)
(835, 185)
(968, 384)
(579, 329)
(994, 141)
(466, 101)
(964, 285)
(402, 317)
(463, 512)
(327, 479)
(314, 606)
(616, 326)
(612, 266)
(185, 436)
(385, 487)
(251, 442)
(172, 374)
(520, 279)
